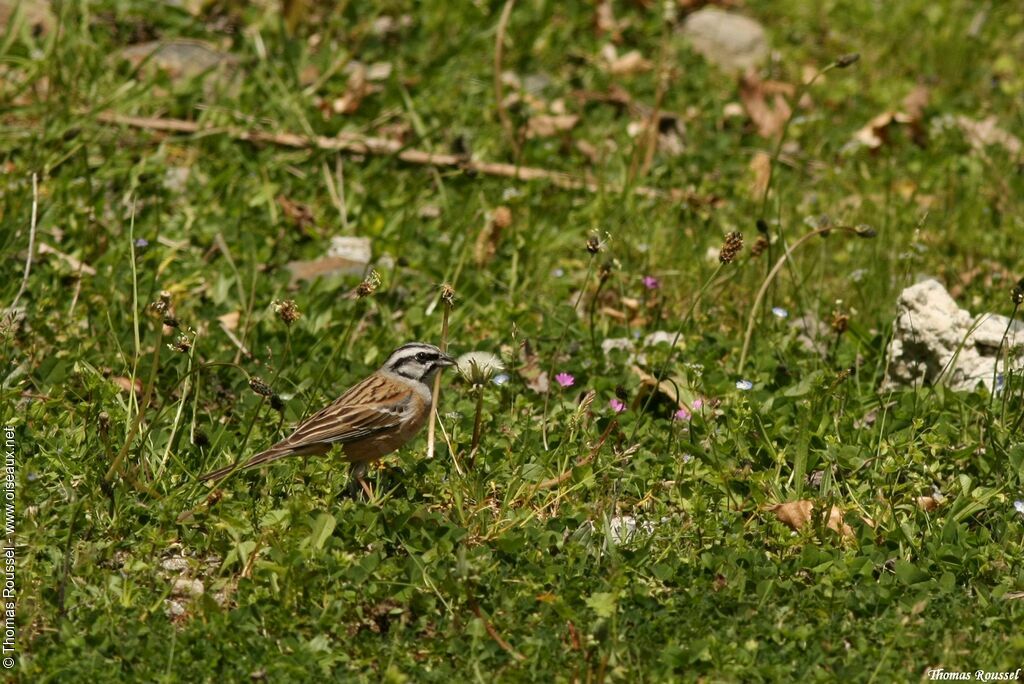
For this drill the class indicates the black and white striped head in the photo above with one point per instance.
(417, 361)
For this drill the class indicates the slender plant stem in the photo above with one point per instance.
(436, 393)
(558, 349)
(499, 95)
(771, 276)
(1006, 361)
(115, 467)
(477, 425)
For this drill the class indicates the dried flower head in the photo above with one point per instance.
(277, 403)
(1017, 293)
(287, 311)
(448, 295)
(162, 305)
(171, 322)
(732, 246)
(261, 388)
(596, 243)
(479, 366)
(840, 322)
(847, 60)
(369, 285)
(604, 272)
(762, 226)
(759, 247)
(865, 231)
(182, 344)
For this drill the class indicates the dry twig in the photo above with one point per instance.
(370, 145)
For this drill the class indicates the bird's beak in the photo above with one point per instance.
(445, 360)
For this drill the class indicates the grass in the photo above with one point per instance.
(483, 574)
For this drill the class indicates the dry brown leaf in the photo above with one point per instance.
(299, 213)
(229, 321)
(589, 151)
(981, 134)
(356, 90)
(347, 255)
(768, 117)
(917, 101)
(797, 515)
(530, 371)
(546, 125)
(633, 62)
(487, 241)
(329, 265)
(671, 386)
(761, 166)
(927, 503)
(875, 133)
(126, 384)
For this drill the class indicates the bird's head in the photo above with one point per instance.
(417, 361)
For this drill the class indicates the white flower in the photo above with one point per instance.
(744, 385)
(1019, 506)
(479, 366)
(779, 312)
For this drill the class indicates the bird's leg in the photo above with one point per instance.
(356, 478)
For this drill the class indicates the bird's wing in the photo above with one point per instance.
(372, 406)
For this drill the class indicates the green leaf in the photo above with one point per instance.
(908, 573)
(323, 526)
(603, 603)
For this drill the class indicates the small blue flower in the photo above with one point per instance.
(500, 379)
(1019, 506)
(780, 312)
(141, 243)
(744, 385)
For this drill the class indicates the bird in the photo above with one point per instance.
(370, 420)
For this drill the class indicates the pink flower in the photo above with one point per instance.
(617, 405)
(697, 404)
(651, 283)
(682, 414)
(565, 379)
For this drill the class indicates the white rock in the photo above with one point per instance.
(935, 341)
(182, 586)
(731, 41)
(626, 528)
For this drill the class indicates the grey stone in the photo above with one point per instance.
(728, 40)
(937, 342)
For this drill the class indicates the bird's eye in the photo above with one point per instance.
(422, 357)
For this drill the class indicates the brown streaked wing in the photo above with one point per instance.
(372, 406)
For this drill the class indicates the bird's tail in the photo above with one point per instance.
(278, 451)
